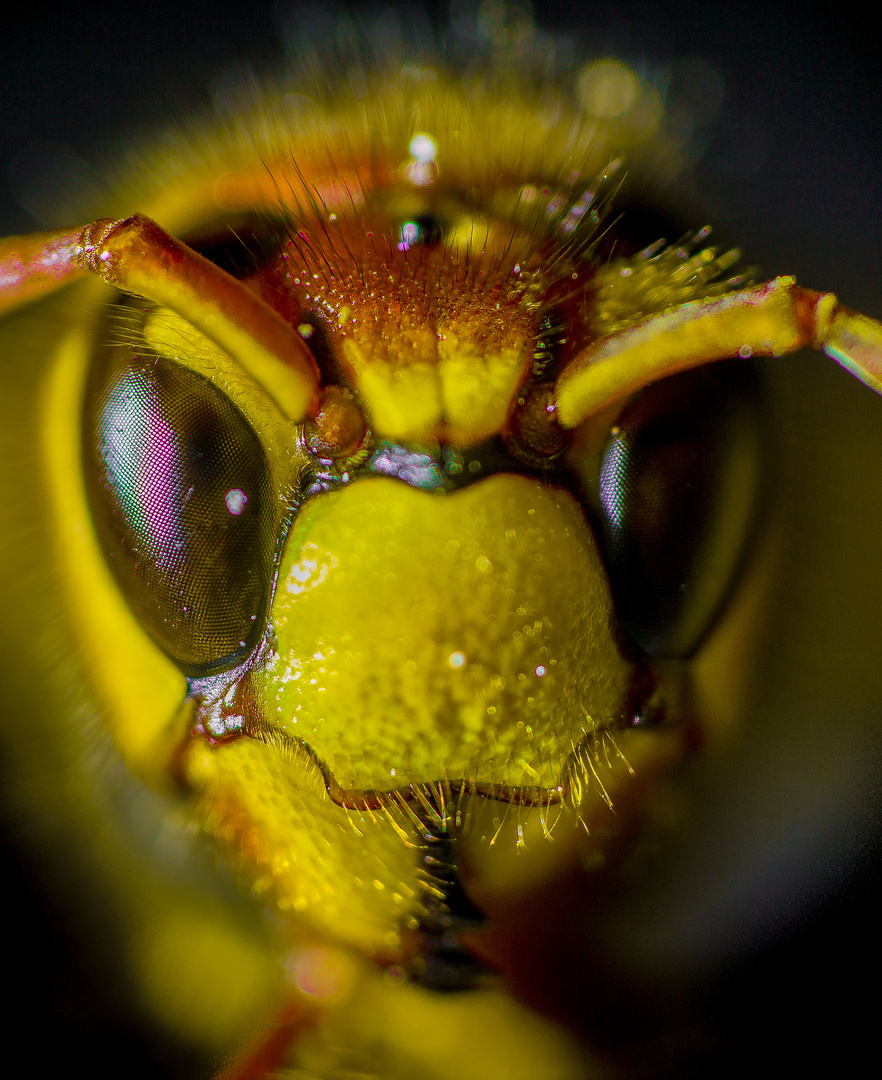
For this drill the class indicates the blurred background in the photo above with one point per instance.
(747, 942)
(784, 113)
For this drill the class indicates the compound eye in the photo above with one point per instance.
(179, 491)
(680, 491)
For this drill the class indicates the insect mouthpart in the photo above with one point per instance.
(427, 655)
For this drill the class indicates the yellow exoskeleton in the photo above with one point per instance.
(380, 507)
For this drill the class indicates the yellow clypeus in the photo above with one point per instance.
(466, 636)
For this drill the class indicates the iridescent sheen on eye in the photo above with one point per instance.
(179, 489)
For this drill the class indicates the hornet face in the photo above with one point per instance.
(409, 521)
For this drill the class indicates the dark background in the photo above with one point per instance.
(790, 169)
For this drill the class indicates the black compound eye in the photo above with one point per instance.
(680, 491)
(179, 490)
